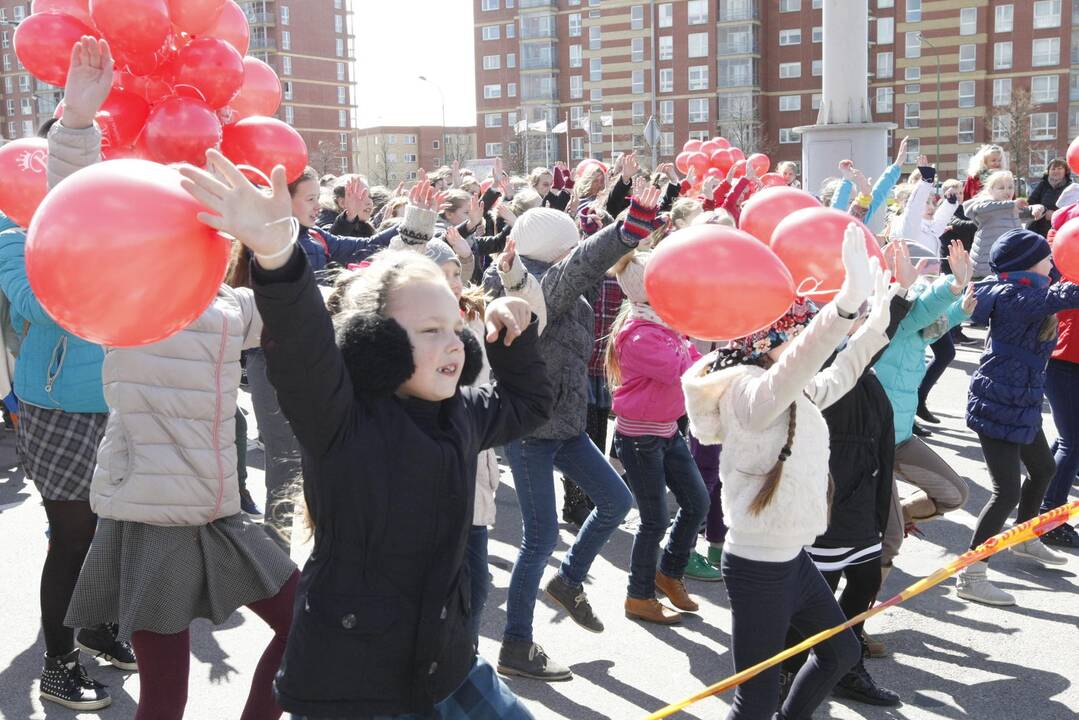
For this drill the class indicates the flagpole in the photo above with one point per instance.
(612, 134)
(567, 139)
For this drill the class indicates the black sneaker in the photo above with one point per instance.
(1064, 536)
(924, 413)
(525, 658)
(101, 642)
(575, 602)
(247, 503)
(920, 431)
(859, 686)
(65, 682)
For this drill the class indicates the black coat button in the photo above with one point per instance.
(348, 621)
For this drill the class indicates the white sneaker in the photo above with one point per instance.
(972, 584)
(1040, 552)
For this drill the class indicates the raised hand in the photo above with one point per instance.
(639, 184)
(356, 197)
(630, 166)
(708, 188)
(475, 212)
(846, 168)
(648, 198)
(424, 196)
(861, 182)
(962, 268)
(858, 281)
(505, 261)
(88, 81)
(970, 301)
(400, 191)
(503, 210)
(880, 303)
(458, 243)
(902, 152)
(260, 219)
(897, 254)
(511, 314)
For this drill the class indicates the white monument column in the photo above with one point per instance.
(845, 127)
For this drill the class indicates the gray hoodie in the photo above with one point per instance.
(993, 218)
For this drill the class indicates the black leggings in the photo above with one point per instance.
(1003, 460)
(71, 529)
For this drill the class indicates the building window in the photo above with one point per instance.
(7, 63)
(790, 5)
(342, 119)
(492, 120)
(491, 32)
(1001, 127)
(489, 5)
(576, 148)
(574, 24)
(666, 112)
(885, 96)
(966, 93)
(638, 112)
(698, 77)
(1039, 162)
(912, 73)
(286, 89)
(9, 85)
(912, 115)
(968, 58)
(290, 114)
(28, 128)
(790, 70)
(968, 21)
(511, 60)
(1043, 126)
(965, 130)
(340, 47)
(26, 106)
(511, 30)
(666, 47)
(493, 150)
(595, 69)
(342, 96)
(1004, 18)
(595, 37)
(816, 68)
(913, 45)
(666, 15)
(818, 34)
(1046, 51)
(1002, 56)
(666, 80)
(284, 14)
(698, 110)
(286, 65)
(1046, 14)
(637, 82)
(697, 10)
(698, 45)
(1044, 88)
(511, 89)
(787, 136)
(1002, 91)
(286, 40)
(492, 62)
(914, 11)
(636, 50)
(790, 37)
(24, 83)
(20, 12)
(914, 149)
(885, 30)
(492, 92)
(885, 65)
(576, 87)
(790, 103)
(636, 17)
(342, 75)
(814, 103)
(435, 145)
(338, 23)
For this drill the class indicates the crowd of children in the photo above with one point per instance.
(412, 332)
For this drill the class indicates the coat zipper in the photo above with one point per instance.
(217, 417)
(59, 354)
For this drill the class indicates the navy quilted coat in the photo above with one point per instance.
(1005, 400)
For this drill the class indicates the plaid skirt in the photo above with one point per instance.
(58, 450)
(158, 578)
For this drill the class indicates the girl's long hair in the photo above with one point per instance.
(610, 355)
(473, 302)
(977, 160)
(996, 177)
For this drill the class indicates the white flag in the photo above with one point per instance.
(607, 120)
(521, 126)
(561, 128)
(538, 126)
(585, 122)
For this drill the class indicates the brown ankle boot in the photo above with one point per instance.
(919, 509)
(651, 610)
(675, 591)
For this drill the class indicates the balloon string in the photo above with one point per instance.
(185, 85)
(814, 288)
(256, 171)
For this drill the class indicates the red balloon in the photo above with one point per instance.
(78, 9)
(737, 154)
(691, 146)
(260, 93)
(43, 44)
(721, 160)
(143, 270)
(762, 212)
(740, 168)
(810, 243)
(122, 153)
(772, 180)
(182, 130)
(212, 67)
(262, 143)
(708, 147)
(137, 30)
(714, 172)
(722, 143)
(699, 162)
(1073, 156)
(151, 89)
(717, 283)
(1066, 249)
(760, 163)
(195, 16)
(681, 162)
(120, 119)
(231, 26)
(23, 178)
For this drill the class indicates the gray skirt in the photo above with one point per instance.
(160, 579)
(58, 450)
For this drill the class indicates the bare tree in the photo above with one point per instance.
(1010, 127)
(459, 148)
(740, 123)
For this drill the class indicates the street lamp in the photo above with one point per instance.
(936, 56)
(442, 97)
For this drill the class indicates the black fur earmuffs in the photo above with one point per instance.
(378, 355)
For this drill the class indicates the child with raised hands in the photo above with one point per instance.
(760, 398)
(390, 441)
(922, 222)
(995, 211)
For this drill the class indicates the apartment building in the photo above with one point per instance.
(388, 155)
(751, 70)
(26, 101)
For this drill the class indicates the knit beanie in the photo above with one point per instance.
(1018, 250)
(631, 278)
(544, 234)
(750, 348)
(440, 252)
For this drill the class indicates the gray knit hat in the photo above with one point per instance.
(440, 252)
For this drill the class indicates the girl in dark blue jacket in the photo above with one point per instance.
(1018, 302)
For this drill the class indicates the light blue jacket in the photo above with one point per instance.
(902, 366)
(55, 369)
(844, 193)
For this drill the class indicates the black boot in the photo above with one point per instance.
(859, 686)
(576, 505)
(924, 413)
(65, 682)
(101, 642)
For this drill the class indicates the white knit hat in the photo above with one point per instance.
(545, 235)
(631, 278)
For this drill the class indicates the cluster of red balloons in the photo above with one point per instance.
(716, 158)
(716, 283)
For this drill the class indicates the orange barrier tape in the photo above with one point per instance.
(1018, 534)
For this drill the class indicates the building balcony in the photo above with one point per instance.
(262, 18)
(737, 10)
(264, 44)
(532, 4)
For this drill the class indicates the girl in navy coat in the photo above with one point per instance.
(1019, 303)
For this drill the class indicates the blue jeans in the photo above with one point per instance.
(533, 462)
(480, 576)
(652, 465)
(767, 598)
(1062, 388)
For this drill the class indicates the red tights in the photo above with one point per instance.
(164, 661)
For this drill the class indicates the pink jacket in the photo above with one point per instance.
(652, 358)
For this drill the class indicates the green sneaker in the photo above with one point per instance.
(699, 569)
(715, 555)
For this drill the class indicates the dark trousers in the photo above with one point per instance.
(1062, 389)
(707, 459)
(943, 354)
(241, 449)
(1003, 460)
(479, 576)
(766, 599)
